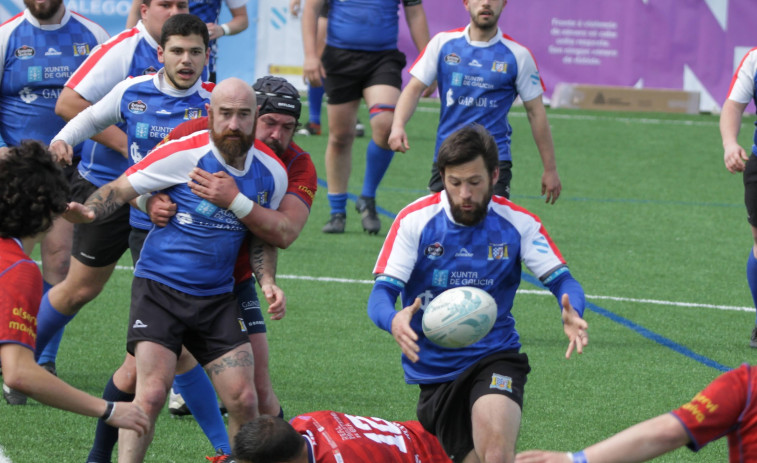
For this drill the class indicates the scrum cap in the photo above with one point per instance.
(276, 95)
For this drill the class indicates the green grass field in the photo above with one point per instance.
(649, 220)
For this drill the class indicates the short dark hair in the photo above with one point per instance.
(267, 439)
(33, 190)
(276, 95)
(467, 144)
(184, 24)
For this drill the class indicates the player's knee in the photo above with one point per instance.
(152, 398)
(243, 403)
(497, 454)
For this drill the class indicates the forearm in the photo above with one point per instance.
(640, 442)
(111, 196)
(418, 25)
(278, 227)
(537, 117)
(134, 14)
(730, 121)
(239, 21)
(381, 304)
(562, 282)
(263, 259)
(408, 102)
(310, 11)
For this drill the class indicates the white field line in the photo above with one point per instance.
(3, 458)
(538, 292)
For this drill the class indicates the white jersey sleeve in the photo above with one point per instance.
(425, 67)
(528, 83)
(742, 85)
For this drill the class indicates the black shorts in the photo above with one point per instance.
(103, 242)
(348, 72)
(209, 326)
(750, 190)
(445, 409)
(324, 13)
(136, 241)
(71, 172)
(501, 188)
(249, 305)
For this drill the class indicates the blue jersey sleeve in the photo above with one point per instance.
(562, 282)
(381, 303)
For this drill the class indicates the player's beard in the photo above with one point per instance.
(233, 149)
(43, 11)
(474, 216)
(275, 146)
(485, 25)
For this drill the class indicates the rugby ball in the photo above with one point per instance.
(459, 317)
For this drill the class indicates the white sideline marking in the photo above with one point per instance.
(538, 292)
(3, 458)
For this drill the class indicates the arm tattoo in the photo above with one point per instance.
(103, 202)
(263, 258)
(236, 360)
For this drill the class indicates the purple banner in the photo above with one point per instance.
(692, 45)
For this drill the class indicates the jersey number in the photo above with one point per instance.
(392, 434)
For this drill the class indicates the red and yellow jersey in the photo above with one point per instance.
(20, 294)
(338, 437)
(727, 406)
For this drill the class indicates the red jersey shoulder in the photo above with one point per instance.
(187, 128)
(20, 294)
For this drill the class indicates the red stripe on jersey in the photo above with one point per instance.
(543, 87)
(265, 149)
(187, 128)
(501, 200)
(392, 235)
(90, 62)
(12, 19)
(163, 151)
(736, 74)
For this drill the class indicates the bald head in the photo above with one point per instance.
(232, 115)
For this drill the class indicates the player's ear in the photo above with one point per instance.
(495, 175)
(161, 58)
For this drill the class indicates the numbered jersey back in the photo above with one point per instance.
(339, 437)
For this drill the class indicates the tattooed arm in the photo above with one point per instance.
(263, 258)
(102, 203)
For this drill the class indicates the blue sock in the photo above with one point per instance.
(338, 203)
(49, 323)
(315, 99)
(50, 352)
(198, 393)
(377, 162)
(106, 435)
(751, 276)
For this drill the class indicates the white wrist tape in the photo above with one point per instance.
(142, 202)
(241, 206)
(226, 30)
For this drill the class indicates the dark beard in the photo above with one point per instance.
(44, 12)
(232, 149)
(275, 146)
(470, 218)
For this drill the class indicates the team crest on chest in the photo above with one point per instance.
(192, 113)
(81, 49)
(497, 252)
(499, 66)
(262, 198)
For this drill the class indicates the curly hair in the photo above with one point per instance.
(33, 190)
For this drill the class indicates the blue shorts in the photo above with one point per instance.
(249, 305)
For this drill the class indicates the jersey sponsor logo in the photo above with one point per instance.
(474, 63)
(27, 323)
(457, 79)
(535, 79)
(497, 251)
(463, 253)
(468, 278)
(241, 325)
(137, 107)
(34, 74)
(307, 191)
(27, 95)
(139, 324)
(440, 278)
(501, 382)
(163, 112)
(192, 113)
(450, 98)
(434, 251)
(477, 81)
(24, 52)
(184, 218)
(52, 52)
(81, 49)
(134, 153)
(541, 245)
(142, 130)
(149, 71)
(206, 208)
(499, 66)
(57, 72)
(452, 59)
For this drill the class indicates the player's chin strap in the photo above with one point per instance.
(380, 108)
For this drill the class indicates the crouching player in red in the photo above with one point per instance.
(33, 192)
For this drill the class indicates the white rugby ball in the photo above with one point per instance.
(460, 316)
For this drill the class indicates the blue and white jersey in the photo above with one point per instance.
(195, 253)
(426, 252)
(208, 11)
(744, 85)
(131, 53)
(368, 25)
(478, 82)
(37, 60)
(150, 108)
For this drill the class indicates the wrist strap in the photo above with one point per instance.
(226, 30)
(241, 206)
(142, 202)
(578, 457)
(109, 410)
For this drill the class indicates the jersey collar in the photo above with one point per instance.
(475, 43)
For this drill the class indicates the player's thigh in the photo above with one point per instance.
(233, 374)
(495, 420)
(342, 120)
